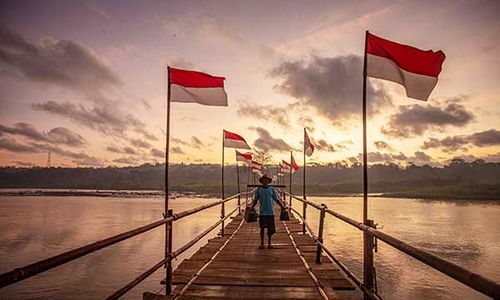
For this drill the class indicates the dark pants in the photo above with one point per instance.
(267, 222)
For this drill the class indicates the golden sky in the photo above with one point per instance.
(85, 80)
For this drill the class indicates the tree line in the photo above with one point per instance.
(457, 177)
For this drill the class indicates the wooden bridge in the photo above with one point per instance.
(232, 267)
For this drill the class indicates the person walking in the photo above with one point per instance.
(266, 196)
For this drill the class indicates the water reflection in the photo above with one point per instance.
(33, 228)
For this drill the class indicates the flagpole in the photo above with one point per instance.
(222, 185)
(367, 242)
(290, 178)
(238, 182)
(304, 205)
(304, 171)
(168, 242)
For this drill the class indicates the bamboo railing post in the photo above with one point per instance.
(320, 232)
(222, 215)
(368, 259)
(168, 281)
(304, 209)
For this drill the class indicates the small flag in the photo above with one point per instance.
(285, 166)
(294, 165)
(233, 140)
(257, 171)
(196, 87)
(308, 145)
(415, 69)
(244, 157)
(256, 165)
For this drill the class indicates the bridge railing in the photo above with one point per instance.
(25, 272)
(469, 278)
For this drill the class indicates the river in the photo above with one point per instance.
(33, 228)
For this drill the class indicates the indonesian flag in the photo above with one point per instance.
(285, 166)
(257, 171)
(196, 87)
(233, 140)
(308, 145)
(256, 165)
(244, 157)
(417, 70)
(295, 167)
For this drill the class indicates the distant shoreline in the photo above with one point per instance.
(175, 194)
(99, 193)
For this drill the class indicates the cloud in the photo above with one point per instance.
(58, 135)
(267, 113)
(323, 145)
(80, 158)
(98, 9)
(179, 142)
(176, 150)
(126, 161)
(485, 138)
(265, 140)
(60, 62)
(419, 158)
(62, 135)
(459, 142)
(88, 161)
(214, 30)
(194, 142)
(138, 143)
(126, 150)
(331, 85)
(414, 120)
(381, 145)
(13, 146)
(197, 143)
(23, 163)
(157, 153)
(182, 63)
(104, 117)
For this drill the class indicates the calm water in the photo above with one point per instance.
(33, 228)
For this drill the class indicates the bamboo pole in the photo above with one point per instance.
(222, 190)
(167, 148)
(290, 178)
(368, 276)
(238, 183)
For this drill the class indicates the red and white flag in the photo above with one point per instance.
(294, 165)
(233, 140)
(417, 70)
(196, 87)
(256, 165)
(285, 166)
(257, 171)
(308, 145)
(244, 157)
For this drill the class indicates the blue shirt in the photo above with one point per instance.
(266, 197)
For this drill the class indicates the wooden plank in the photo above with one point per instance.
(248, 292)
(243, 271)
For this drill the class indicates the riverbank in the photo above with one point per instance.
(453, 192)
(101, 193)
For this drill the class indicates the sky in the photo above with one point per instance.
(86, 80)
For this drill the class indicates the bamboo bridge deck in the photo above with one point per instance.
(233, 267)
